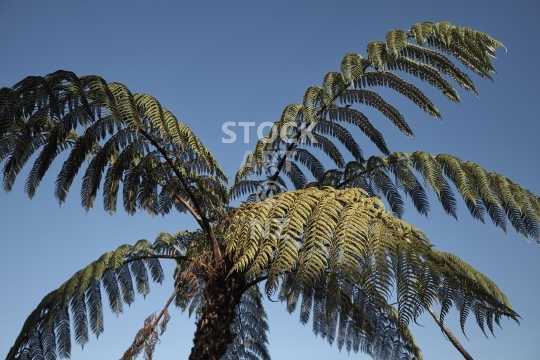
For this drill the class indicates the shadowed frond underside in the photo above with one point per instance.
(250, 327)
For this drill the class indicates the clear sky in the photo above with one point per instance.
(211, 62)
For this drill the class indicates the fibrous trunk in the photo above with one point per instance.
(214, 328)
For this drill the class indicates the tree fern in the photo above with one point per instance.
(328, 249)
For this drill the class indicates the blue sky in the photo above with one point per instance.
(211, 62)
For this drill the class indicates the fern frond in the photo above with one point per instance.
(305, 158)
(337, 131)
(373, 99)
(471, 47)
(378, 56)
(352, 67)
(425, 73)
(325, 145)
(482, 191)
(396, 40)
(394, 82)
(334, 84)
(296, 175)
(441, 63)
(359, 120)
(9, 111)
(56, 142)
(82, 149)
(481, 296)
(47, 329)
(383, 185)
(244, 187)
(314, 99)
(46, 112)
(407, 181)
(338, 254)
(250, 327)
(317, 234)
(331, 178)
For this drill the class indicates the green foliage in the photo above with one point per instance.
(47, 329)
(119, 134)
(342, 242)
(386, 176)
(328, 249)
(251, 326)
(470, 47)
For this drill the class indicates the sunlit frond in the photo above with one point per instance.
(336, 253)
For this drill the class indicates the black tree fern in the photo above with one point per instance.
(328, 248)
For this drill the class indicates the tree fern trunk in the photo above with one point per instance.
(214, 334)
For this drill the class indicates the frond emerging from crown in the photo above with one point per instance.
(314, 123)
(343, 258)
(124, 137)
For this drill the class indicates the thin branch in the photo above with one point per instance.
(449, 335)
